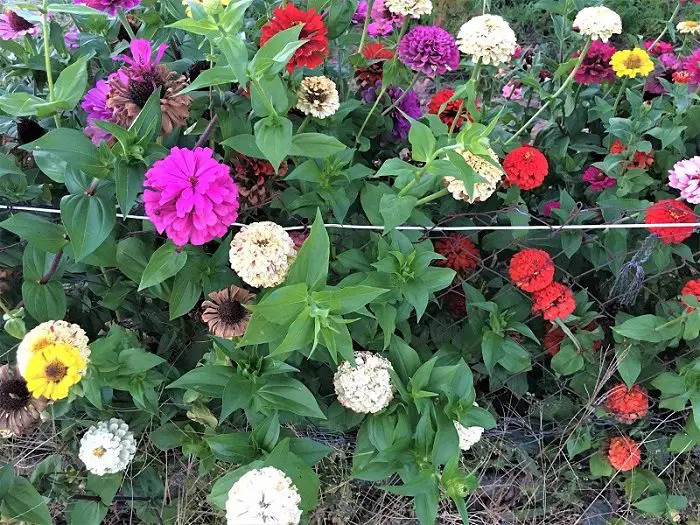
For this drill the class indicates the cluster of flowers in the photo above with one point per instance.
(532, 270)
(627, 405)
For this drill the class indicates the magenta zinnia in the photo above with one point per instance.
(110, 6)
(13, 26)
(190, 196)
(95, 105)
(430, 50)
(596, 67)
(597, 179)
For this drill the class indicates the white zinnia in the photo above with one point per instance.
(52, 332)
(263, 495)
(688, 27)
(482, 190)
(262, 253)
(414, 8)
(488, 38)
(318, 96)
(107, 448)
(468, 436)
(365, 388)
(598, 22)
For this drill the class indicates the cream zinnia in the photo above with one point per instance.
(107, 448)
(261, 254)
(364, 388)
(263, 495)
(598, 22)
(482, 190)
(488, 38)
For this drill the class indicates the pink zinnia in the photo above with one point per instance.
(597, 179)
(141, 64)
(110, 6)
(685, 176)
(691, 65)
(658, 49)
(596, 67)
(190, 196)
(95, 105)
(14, 27)
(549, 206)
(512, 91)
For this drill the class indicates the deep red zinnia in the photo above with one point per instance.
(556, 301)
(691, 288)
(525, 167)
(669, 211)
(627, 405)
(459, 253)
(531, 269)
(456, 302)
(372, 74)
(452, 108)
(624, 453)
(311, 53)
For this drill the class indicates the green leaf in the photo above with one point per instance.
(208, 380)
(273, 135)
(286, 393)
(105, 486)
(655, 505)
(167, 436)
(346, 300)
(146, 127)
(44, 302)
(133, 361)
(212, 77)
(237, 394)
(315, 145)
(567, 361)
(128, 181)
(395, 209)
(236, 53)
(579, 441)
(600, 466)
(86, 512)
(235, 447)
(648, 328)
(47, 236)
(283, 305)
(629, 364)
(311, 264)
(277, 51)
(165, 262)
(22, 104)
(244, 144)
(23, 503)
(88, 220)
(201, 27)
(71, 147)
(187, 289)
(422, 141)
(71, 83)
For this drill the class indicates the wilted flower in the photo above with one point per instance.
(261, 254)
(19, 410)
(190, 196)
(631, 62)
(253, 177)
(624, 453)
(595, 67)
(685, 176)
(488, 38)
(263, 495)
(413, 8)
(225, 312)
(688, 27)
(49, 333)
(482, 190)
(531, 269)
(318, 96)
(598, 22)
(14, 27)
(597, 179)
(459, 253)
(430, 50)
(366, 387)
(107, 448)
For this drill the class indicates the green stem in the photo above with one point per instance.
(126, 24)
(369, 115)
(619, 96)
(265, 99)
(559, 91)
(475, 78)
(4, 308)
(670, 323)
(363, 38)
(403, 95)
(432, 196)
(47, 55)
(304, 123)
(668, 23)
(408, 187)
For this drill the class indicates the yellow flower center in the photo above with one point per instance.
(633, 62)
(691, 24)
(99, 452)
(55, 371)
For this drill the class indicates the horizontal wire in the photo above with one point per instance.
(406, 227)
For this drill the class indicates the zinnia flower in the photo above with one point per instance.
(555, 337)
(691, 288)
(382, 21)
(627, 405)
(468, 436)
(190, 196)
(409, 105)
(53, 370)
(482, 190)
(688, 27)
(372, 74)
(112, 7)
(264, 495)
(133, 84)
(252, 177)
(261, 254)
(512, 91)
(14, 27)
(669, 211)
(19, 410)
(452, 108)
(531, 269)
(685, 176)
(48, 333)
(314, 32)
(555, 301)
(488, 38)
(360, 14)
(549, 206)
(459, 253)
(525, 167)
(225, 313)
(631, 62)
(658, 49)
(414, 8)
(624, 453)
(95, 105)
(429, 49)
(597, 179)
(107, 448)
(318, 96)
(595, 67)
(598, 22)
(691, 68)
(366, 387)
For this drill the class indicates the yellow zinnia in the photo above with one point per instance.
(631, 62)
(53, 370)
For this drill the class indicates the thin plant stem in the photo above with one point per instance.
(47, 55)
(559, 91)
(369, 115)
(365, 27)
(403, 95)
(304, 123)
(475, 78)
(619, 96)
(126, 24)
(432, 196)
(4, 307)
(669, 22)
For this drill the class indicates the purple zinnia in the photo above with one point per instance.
(429, 49)
(112, 7)
(596, 67)
(409, 105)
(360, 14)
(190, 196)
(548, 206)
(95, 105)
(72, 39)
(597, 179)
(13, 26)
(685, 176)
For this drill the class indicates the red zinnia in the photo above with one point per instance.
(669, 211)
(556, 301)
(691, 288)
(314, 31)
(372, 75)
(459, 253)
(627, 405)
(448, 114)
(681, 77)
(624, 453)
(531, 269)
(617, 147)
(377, 51)
(555, 337)
(641, 160)
(456, 302)
(525, 167)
